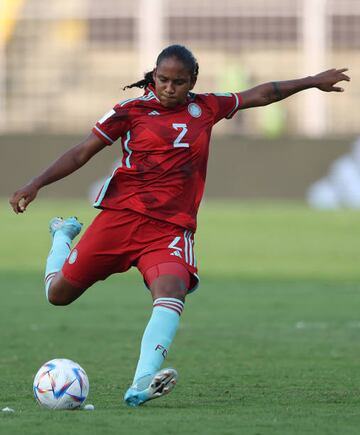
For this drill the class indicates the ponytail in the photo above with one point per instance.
(145, 82)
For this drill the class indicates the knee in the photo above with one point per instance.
(57, 295)
(57, 299)
(168, 287)
(61, 292)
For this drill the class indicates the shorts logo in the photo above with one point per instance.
(73, 256)
(194, 110)
(176, 249)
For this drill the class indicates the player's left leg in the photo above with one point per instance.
(168, 291)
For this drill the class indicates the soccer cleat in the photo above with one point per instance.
(55, 224)
(71, 227)
(151, 387)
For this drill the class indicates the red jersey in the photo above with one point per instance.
(165, 153)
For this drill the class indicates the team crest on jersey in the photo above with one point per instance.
(194, 110)
(73, 256)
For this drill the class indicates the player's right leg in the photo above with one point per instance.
(58, 290)
(102, 251)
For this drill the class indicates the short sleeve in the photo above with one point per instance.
(112, 125)
(224, 105)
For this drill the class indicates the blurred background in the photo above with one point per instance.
(276, 318)
(63, 64)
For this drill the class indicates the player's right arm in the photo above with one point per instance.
(65, 165)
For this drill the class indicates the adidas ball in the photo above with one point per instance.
(61, 384)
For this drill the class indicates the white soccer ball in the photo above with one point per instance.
(61, 384)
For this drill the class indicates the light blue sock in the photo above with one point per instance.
(59, 252)
(158, 335)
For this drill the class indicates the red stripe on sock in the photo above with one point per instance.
(173, 305)
(50, 276)
(176, 303)
(174, 308)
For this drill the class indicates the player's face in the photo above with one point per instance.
(173, 81)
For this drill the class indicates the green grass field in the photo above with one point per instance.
(268, 345)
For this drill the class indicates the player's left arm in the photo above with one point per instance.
(271, 92)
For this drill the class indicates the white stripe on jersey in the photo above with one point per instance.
(192, 242)
(106, 116)
(190, 250)
(104, 189)
(236, 106)
(144, 98)
(128, 150)
(154, 96)
(186, 247)
(103, 134)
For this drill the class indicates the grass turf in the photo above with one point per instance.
(268, 344)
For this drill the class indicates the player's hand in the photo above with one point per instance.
(22, 198)
(326, 80)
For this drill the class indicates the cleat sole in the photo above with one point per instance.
(161, 384)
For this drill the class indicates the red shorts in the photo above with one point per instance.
(119, 239)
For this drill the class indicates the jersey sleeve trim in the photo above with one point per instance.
(101, 194)
(238, 102)
(96, 130)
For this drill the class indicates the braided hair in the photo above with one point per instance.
(179, 52)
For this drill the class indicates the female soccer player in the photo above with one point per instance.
(149, 204)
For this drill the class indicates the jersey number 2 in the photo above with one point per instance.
(177, 142)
